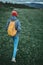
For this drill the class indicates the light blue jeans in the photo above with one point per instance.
(16, 40)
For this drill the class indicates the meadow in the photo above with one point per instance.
(31, 37)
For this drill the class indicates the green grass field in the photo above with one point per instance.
(31, 37)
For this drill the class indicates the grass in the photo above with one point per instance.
(31, 37)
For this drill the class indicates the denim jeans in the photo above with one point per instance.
(16, 40)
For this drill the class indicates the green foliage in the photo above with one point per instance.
(31, 37)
